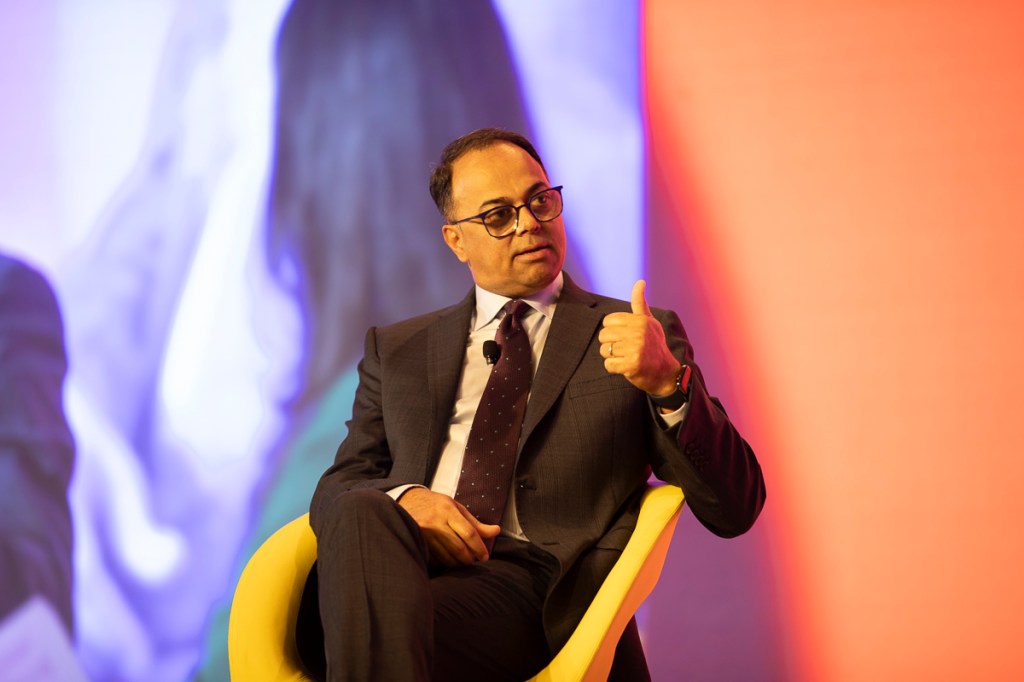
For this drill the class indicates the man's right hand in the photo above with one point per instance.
(455, 536)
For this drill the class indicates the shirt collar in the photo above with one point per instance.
(488, 303)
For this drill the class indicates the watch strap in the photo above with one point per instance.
(679, 397)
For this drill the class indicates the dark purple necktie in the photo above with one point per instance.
(494, 437)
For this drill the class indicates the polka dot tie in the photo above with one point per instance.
(494, 437)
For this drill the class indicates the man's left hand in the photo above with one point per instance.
(633, 345)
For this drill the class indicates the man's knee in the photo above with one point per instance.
(363, 501)
(365, 515)
(356, 508)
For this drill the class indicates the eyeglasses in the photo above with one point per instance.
(502, 221)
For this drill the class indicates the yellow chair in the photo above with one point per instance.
(261, 631)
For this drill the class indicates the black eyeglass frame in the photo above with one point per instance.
(515, 225)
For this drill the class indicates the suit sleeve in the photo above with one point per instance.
(363, 459)
(705, 454)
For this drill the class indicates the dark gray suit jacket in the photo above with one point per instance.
(590, 440)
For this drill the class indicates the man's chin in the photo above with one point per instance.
(538, 280)
(526, 284)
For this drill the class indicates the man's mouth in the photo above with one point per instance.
(532, 249)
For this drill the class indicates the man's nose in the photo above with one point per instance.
(525, 222)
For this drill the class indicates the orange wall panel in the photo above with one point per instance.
(852, 179)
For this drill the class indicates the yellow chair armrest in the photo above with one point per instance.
(589, 653)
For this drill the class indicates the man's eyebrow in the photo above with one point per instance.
(505, 201)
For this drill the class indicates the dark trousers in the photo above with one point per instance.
(387, 614)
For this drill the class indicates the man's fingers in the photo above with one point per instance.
(472, 532)
(488, 530)
(625, 366)
(441, 554)
(613, 320)
(638, 300)
(453, 546)
(467, 545)
(485, 530)
(614, 333)
(453, 534)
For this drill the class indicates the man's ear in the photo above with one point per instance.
(453, 238)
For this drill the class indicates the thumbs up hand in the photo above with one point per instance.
(633, 345)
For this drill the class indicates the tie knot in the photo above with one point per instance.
(514, 311)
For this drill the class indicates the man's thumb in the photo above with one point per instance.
(488, 531)
(639, 301)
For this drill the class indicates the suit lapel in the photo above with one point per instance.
(446, 350)
(574, 324)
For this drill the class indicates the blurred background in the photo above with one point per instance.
(223, 195)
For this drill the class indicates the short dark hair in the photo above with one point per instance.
(441, 177)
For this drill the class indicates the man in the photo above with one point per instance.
(413, 585)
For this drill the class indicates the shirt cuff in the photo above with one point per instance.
(672, 418)
(395, 493)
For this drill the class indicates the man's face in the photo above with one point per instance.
(528, 260)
